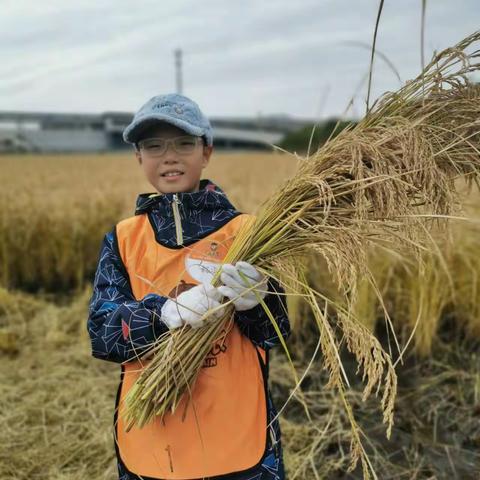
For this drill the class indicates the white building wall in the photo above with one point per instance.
(66, 140)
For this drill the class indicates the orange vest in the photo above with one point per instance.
(225, 431)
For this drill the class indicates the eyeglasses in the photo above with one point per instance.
(158, 146)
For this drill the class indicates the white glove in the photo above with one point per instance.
(237, 290)
(191, 305)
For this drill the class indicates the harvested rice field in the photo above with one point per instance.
(56, 412)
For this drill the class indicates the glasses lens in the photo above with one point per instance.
(185, 144)
(153, 145)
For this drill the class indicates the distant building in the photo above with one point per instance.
(78, 132)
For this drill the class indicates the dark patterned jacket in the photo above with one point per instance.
(202, 213)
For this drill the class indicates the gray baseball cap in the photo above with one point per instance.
(171, 108)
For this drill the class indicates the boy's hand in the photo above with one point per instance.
(191, 305)
(240, 290)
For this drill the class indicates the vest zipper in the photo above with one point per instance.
(177, 218)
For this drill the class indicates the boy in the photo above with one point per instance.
(154, 274)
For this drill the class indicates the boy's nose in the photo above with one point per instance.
(170, 154)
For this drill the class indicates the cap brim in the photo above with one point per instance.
(132, 131)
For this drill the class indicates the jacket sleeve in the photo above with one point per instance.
(257, 326)
(120, 327)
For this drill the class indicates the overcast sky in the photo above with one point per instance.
(298, 57)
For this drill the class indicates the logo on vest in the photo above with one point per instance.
(211, 359)
(204, 259)
(213, 250)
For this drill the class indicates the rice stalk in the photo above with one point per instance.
(384, 182)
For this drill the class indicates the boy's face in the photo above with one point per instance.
(188, 165)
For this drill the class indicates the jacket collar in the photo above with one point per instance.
(208, 196)
(198, 214)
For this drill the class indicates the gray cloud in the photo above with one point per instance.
(302, 58)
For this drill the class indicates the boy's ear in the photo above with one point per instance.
(207, 152)
(139, 157)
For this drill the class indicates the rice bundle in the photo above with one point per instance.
(381, 183)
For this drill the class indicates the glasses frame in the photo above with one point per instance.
(168, 141)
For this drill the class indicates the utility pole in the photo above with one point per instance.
(178, 70)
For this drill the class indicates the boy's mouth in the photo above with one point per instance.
(172, 174)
